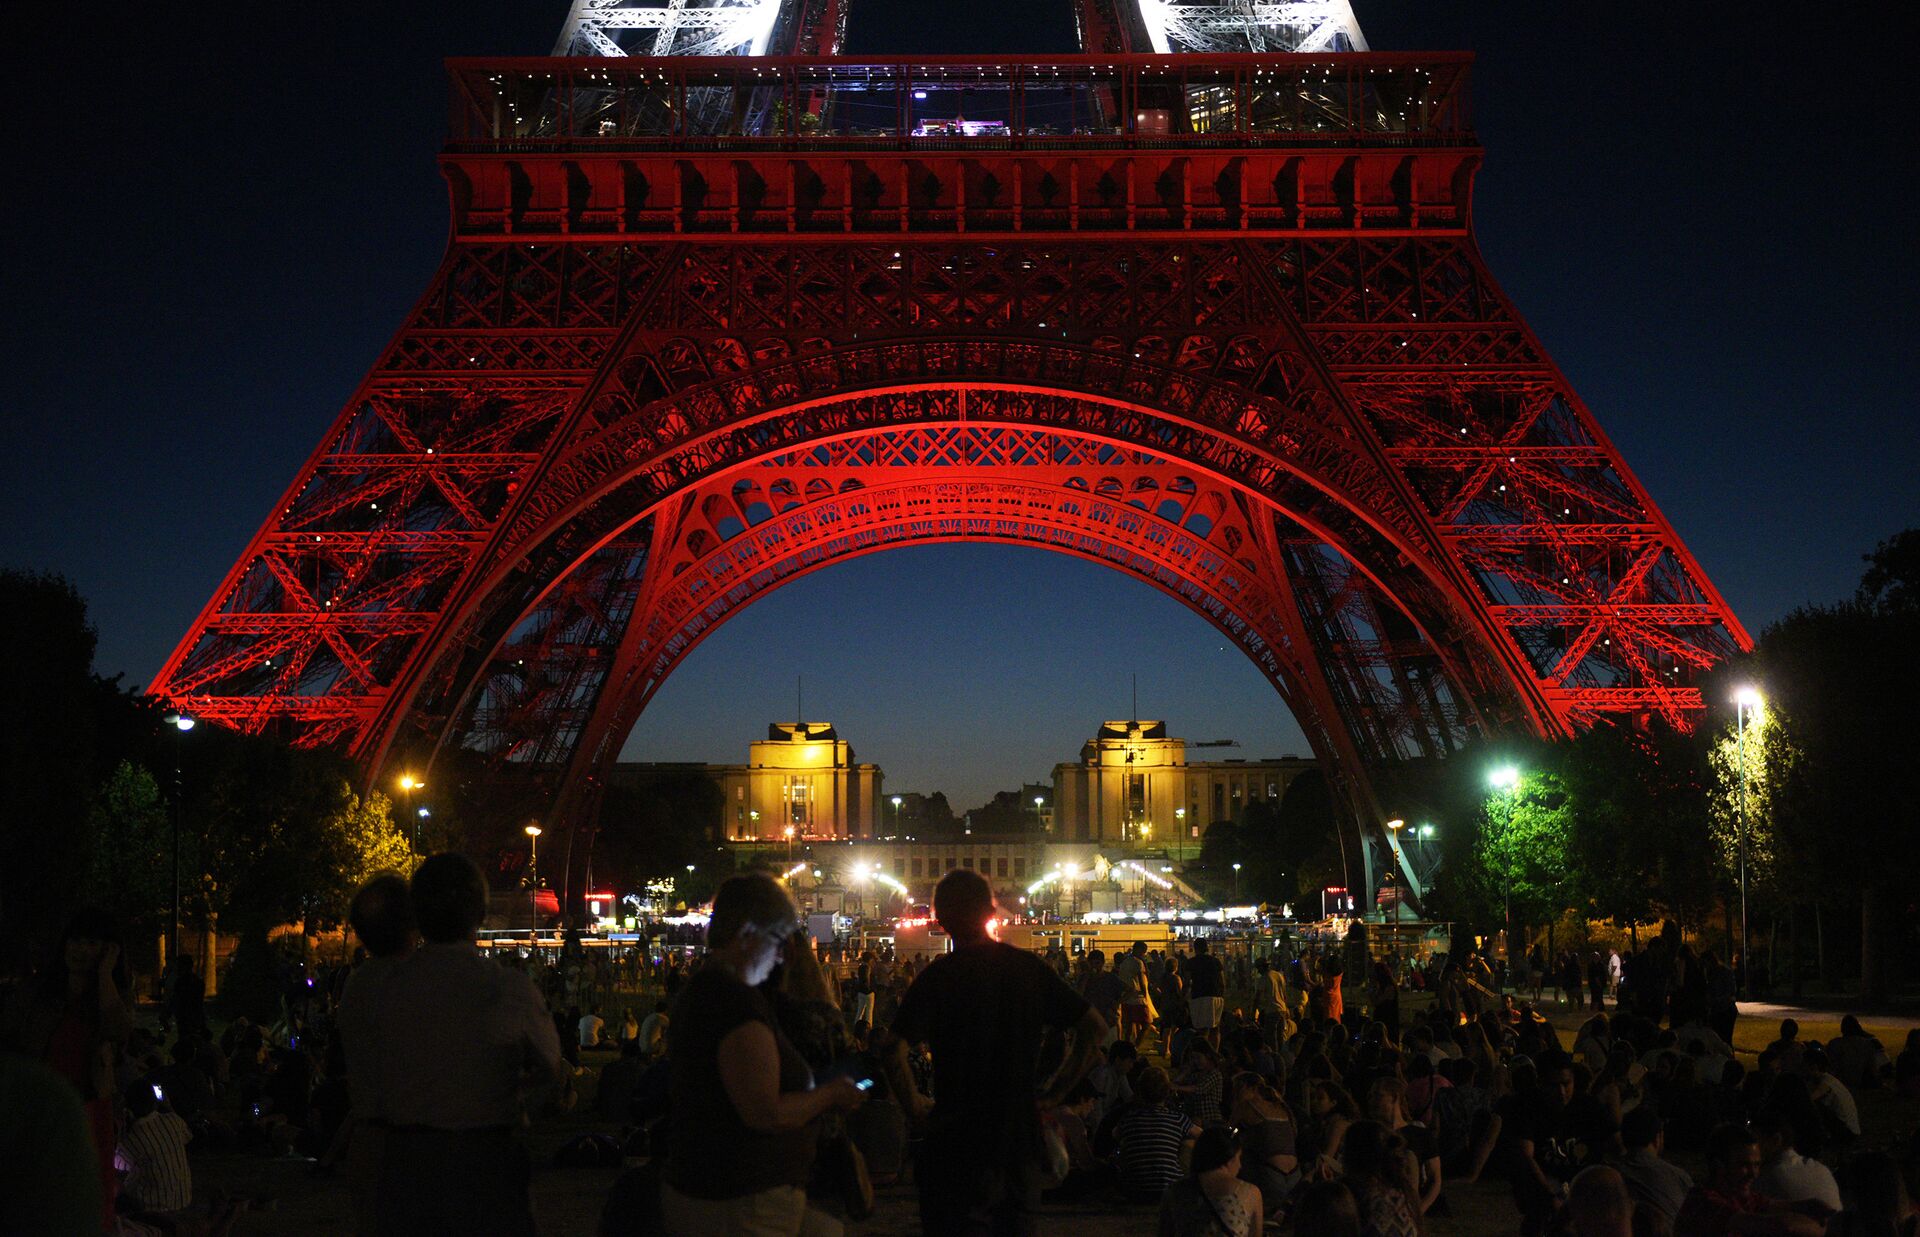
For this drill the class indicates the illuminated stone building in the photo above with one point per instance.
(1134, 786)
(802, 776)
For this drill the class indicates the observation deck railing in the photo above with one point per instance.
(959, 103)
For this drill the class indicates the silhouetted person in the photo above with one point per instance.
(984, 1008)
(464, 1044)
(382, 917)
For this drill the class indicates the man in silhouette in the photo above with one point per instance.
(466, 1045)
(984, 1009)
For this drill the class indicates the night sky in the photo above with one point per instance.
(217, 215)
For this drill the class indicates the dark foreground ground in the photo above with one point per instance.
(568, 1200)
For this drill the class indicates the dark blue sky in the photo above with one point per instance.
(213, 225)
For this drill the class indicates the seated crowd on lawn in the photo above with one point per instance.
(1224, 1094)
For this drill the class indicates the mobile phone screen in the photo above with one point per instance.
(159, 1092)
(865, 1084)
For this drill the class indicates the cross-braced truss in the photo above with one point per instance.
(1247, 353)
(755, 27)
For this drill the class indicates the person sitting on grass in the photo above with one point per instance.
(1212, 1201)
(1727, 1202)
(1152, 1137)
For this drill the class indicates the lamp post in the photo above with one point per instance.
(407, 786)
(533, 881)
(789, 845)
(181, 723)
(1180, 827)
(1039, 810)
(1744, 699)
(1506, 779)
(1399, 856)
(1236, 882)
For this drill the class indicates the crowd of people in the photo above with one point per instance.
(770, 1087)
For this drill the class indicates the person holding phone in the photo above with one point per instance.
(73, 1018)
(745, 1106)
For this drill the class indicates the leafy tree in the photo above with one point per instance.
(1638, 846)
(1520, 851)
(129, 847)
(285, 838)
(1007, 812)
(655, 829)
(1840, 682)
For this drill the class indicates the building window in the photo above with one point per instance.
(1273, 790)
(1019, 868)
(1002, 868)
(916, 868)
(1219, 801)
(739, 792)
(952, 863)
(968, 861)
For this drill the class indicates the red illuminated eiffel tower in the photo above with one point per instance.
(706, 323)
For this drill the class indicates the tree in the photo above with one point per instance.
(1520, 851)
(1638, 846)
(655, 829)
(284, 836)
(1007, 812)
(129, 849)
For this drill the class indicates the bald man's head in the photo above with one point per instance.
(1598, 1204)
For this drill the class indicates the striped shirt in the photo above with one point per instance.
(1150, 1141)
(154, 1152)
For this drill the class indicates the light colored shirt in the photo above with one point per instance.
(590, 1027)
(1857, 1059)
(1653, 1181)
(1132, 973)
(1836, 1101)
(360, 1034)
(463, 1040)
(1794, 1179)
(153, 1151)
(653, 1034)
(1267, 991)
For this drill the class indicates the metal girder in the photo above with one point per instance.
(676, 27)
(531, 508)
(1289, 26)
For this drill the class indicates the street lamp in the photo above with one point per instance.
(1039, 810)
(896, 813)
(1236, 882)
(181, 723)
(789, 844)
(533, 881)
(1180, 829)
(1744, 699)
(1506, 779)
(409, 784)
(1393, 829)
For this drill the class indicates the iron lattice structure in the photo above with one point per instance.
(706, 325)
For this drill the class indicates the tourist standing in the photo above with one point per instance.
(985, 1009)
(1206, 991)
(744, 1101)
(466, 1044)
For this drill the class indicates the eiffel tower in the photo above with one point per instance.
(723, 306)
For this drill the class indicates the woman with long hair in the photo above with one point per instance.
(1213, 1201)
(1379, 1172)
(73, 1018)
(1270, 1137)
(745, 1107)
(1330, 1112)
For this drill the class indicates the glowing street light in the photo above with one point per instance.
(180, 723)
(533, 880)
(1744, 700)
(1236, 882)
(1506, 777)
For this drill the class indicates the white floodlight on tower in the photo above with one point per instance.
(673, 28)
(1283, 26)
